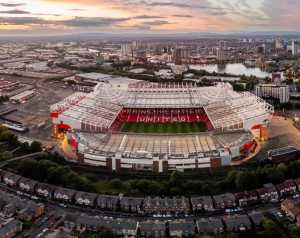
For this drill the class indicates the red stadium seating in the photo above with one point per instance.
(161, 116)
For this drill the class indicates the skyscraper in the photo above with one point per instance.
(177, 56)
(126, 50)
(221, 55)
(279, 44)
(181, 54)
(294, 47)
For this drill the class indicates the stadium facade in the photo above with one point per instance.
(93, 122)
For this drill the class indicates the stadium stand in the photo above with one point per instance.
(96, 122)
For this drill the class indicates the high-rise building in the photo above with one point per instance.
(138, 45)
(141, 55)
(279, 44)
(221, 55)
(181, 54)
(135, 44)
(261, 49)
(221, 51)
(294, 47)
(223, 45)
(273, 91)
(126, 50)
(177, 56)
(99, 58)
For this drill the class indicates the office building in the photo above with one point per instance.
(273, 91)
(181, 54)
(126, 50)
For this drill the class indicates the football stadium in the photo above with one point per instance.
(127, 124)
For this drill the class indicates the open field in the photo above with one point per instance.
(166, 128)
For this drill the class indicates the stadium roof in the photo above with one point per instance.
(166, 95)
(224, 107)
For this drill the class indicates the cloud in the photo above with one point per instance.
(136, 27)
(203, 5)
(77, 9)
(91, 21)
(156, 23)
(77, 22)
(6, 4)
(182, 16)
(165, 4)
(282, 14)
(15, 12)
(189, 15)
(148, 17)
(22, 21)
(82, 21)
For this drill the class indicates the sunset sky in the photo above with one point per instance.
(68, 16)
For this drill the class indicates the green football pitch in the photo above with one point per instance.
(164, 128)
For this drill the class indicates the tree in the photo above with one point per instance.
(9, 137)
(295, 231)
(230, 178)
(276, 175)
(54, 176)
(100, 233)
(238, 87)
(105, 234)
(2, 129)
(282, 168)
(246, 180)
(294, 169)
(155, 188)
(26, 166)
(193, 187)
(25, 148)
(175, 178)
(270, 230)
(36, 147)
(116, 184)
(6, 155)
(57, 158)
(143, 186)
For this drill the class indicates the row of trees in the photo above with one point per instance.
(235, 180)
(6, 136)
(50, 172)
(47, 171)
(53, 169)
(100, 233)
(247, 180)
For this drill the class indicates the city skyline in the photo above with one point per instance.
(142, 16)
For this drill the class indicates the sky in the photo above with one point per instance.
(139, 16)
